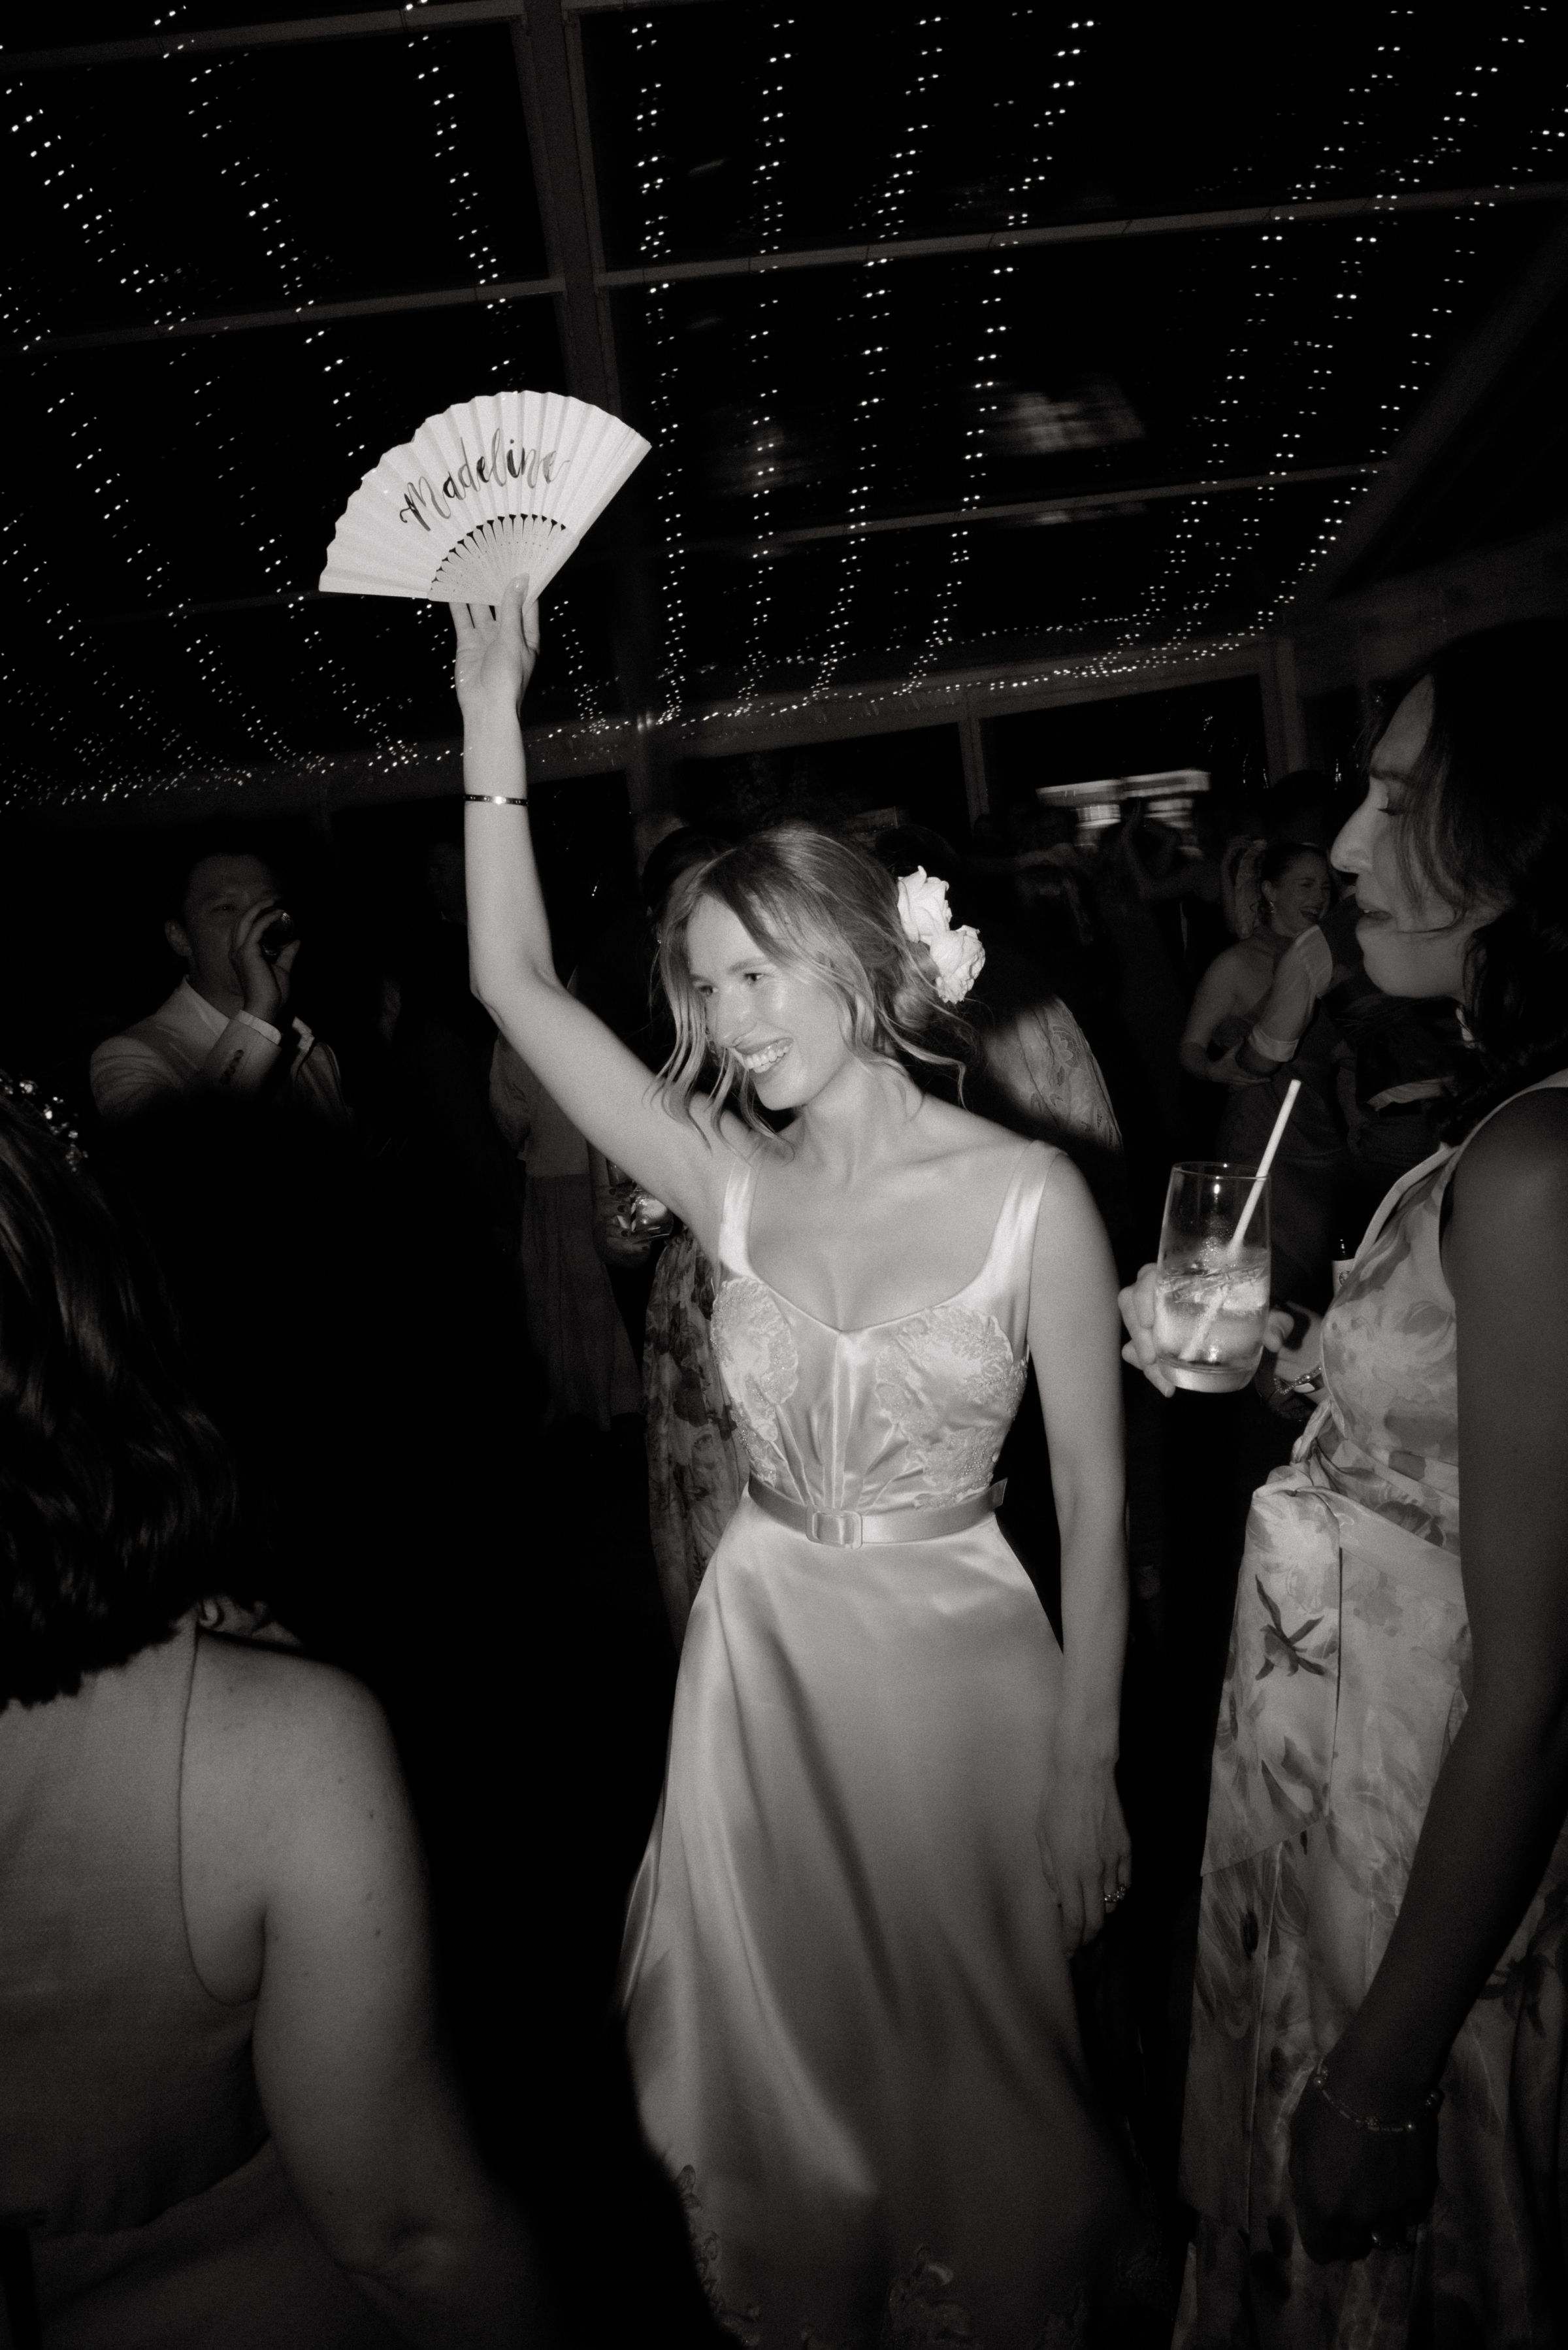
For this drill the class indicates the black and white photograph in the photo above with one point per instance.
(783, 1176)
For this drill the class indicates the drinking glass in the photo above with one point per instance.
(1211, 1297)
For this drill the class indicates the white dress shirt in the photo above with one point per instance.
(187, 1044)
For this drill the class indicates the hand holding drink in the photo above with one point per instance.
(1211, 1294)
(1199, 1317)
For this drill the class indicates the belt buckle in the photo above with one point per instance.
(839, 1528)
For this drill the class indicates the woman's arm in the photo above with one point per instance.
(1073, 1340)
(301, 1862)
(1499, 1800)
(1218, 996)
(602, 1087)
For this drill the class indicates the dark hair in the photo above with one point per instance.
(1276, 861)
(213, 841)
(1489, 826)
(821, 907)
(119, 1501)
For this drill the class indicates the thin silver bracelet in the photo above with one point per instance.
(493, 799)
(1425, 2113)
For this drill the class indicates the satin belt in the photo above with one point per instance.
(848, 1529)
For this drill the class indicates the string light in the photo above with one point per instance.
(874, 298)
(652, 180)
(1224, 570)
(767, 436)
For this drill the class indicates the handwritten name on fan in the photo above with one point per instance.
(532, 466)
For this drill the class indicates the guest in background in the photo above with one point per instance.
(1286, 960)
(464, 1177)
(1037, 1072)
(1373, 2137)
(221, 1032)
(224, 2113)
(697, 1464)
(1296, 892)
(574, 1323)
(1166, 870)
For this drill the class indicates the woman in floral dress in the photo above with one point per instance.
(697, 1464)
(1373, 2131)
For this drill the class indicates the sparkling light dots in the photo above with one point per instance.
(873, 306)
(652, 169)
(766, 428)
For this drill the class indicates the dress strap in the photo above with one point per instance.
(1448, 1152)
(736, 1215)
(1014, 1239)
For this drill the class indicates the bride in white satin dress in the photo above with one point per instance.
(890, 1811)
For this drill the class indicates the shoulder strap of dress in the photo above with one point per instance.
(1447, 1157)
(737, 1214)
(1020, 1210)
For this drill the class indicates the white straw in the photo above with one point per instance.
(1194, 1346)
(1233, 1247)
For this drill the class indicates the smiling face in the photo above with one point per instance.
(1414, 940)
(785, 1029)
(1300, 896)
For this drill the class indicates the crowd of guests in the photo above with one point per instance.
(278, 1320)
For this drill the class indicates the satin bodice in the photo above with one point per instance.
(907, 1411)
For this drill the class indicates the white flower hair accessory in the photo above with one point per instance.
(958, 954)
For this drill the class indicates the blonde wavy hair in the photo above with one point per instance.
(827, 911)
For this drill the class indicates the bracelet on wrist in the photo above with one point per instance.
(1423, 2117)
(494, 799)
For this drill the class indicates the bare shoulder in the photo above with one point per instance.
(273, 1734)
(1517, 1168)
(973, 1144)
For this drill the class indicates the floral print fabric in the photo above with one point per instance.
(696, 1461)
(1392, 1441)
(1346, 1683)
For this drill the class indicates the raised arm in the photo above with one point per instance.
(1073, 1333)
(603, 1087)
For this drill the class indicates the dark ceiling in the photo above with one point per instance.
(831, 441)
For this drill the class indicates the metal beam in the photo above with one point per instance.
(962, 698)
(1081, 506)
(548, 78)
(1064, 233)
(298, 314)
(369, 24)
(1484, 358)
(551, 80)
(1089, 505)
(589, 281)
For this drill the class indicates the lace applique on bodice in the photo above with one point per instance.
(760, 1367)
(907, 1411)
(948, 1380)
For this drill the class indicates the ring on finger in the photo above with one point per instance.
(1117, 1893)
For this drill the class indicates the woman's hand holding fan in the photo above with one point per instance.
(496, 651)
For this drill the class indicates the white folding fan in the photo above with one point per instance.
(499, 488)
